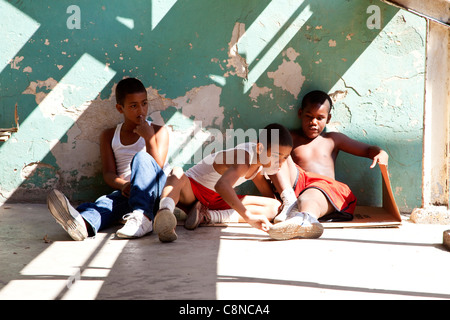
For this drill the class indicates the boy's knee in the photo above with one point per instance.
(140, 157)
(276, 205)
(312, 194)
(274, 208)
(144, 161)
(315, 200)
(177, 172)
(310, 201)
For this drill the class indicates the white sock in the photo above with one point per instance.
(304, 216)
(288, 196)
(224, 216)
(310, 218)
(289, 203)
(167, 203)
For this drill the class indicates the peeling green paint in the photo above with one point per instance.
(228, 63)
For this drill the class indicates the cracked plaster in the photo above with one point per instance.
(367, 79)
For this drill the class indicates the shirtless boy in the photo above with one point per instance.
(308, 176)
(213, 179)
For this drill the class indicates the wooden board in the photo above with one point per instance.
(386, 216)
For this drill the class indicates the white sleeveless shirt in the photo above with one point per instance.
(205, 174)
(124, 154)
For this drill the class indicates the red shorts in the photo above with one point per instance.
(338, 193)
(209, 198)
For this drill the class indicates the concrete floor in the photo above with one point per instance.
(38, 260)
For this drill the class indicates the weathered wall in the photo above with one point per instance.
(207, 65)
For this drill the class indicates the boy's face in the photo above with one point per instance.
(314, 118)
(135, 107)
(276, 156)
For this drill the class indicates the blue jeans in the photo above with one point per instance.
(147, 182)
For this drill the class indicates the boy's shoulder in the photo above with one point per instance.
(333, 135)
(109, 131)
(158, 127)
(107, 134)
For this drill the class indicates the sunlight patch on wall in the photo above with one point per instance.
(127, 22)
(270, 23)
(159, 10)
(67, 101)
(81, 84)
(17, 28)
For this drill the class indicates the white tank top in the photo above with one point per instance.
(205, 174)
(124, 154)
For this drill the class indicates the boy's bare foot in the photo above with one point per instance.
(164, 225)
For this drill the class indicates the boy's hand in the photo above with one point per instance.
(258, 221)
(145, 130)
(126, 189)
(381, 158)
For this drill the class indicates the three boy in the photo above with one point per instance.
(299, 164)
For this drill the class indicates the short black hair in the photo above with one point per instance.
(269, 133)
(314, 97)
(128, 86)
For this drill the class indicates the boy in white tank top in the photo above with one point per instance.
(134, 156)
(212, 183)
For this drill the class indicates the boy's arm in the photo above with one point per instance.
(360, 149)
(156, 141)
(263, 186)
(109, 163)
(224, 187)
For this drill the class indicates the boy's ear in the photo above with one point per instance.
(119, 108)
(299, 113)
(329, 118)
(259, 148)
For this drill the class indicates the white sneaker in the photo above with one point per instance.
(66, 215)
(283, 215)
(297, 225)
(136, 226)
